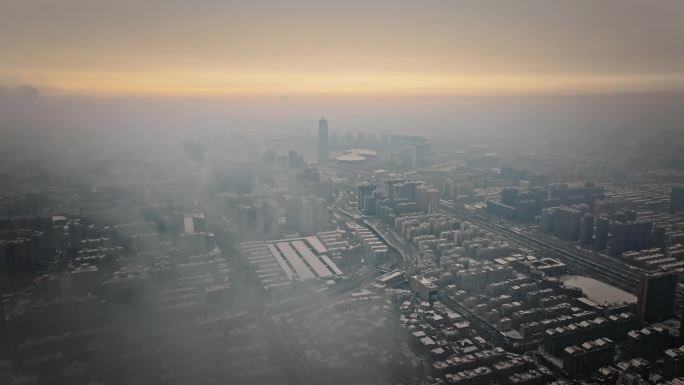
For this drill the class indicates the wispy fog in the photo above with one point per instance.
(42, 123)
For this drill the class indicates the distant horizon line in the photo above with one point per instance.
(230, 84)
(54, 92)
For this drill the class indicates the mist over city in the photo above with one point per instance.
(327, 193)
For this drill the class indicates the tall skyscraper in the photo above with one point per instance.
(323, 144)
(657, 293)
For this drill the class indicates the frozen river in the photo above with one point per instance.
(598, 291)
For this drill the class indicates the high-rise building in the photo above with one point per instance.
(271, 219)
(323, 144)
(408, 190)
(295, 159)
(566, 223)
(422, 151)
(246, 221)
(509, 196)
(547, 219)
(259, 220)
(501, 209)
(427, 199)
(627, 236)
(677, 199)
(657, 293)
(264, 220)
(321, 217)
(659, 234)
(407, 157)
(394, 188)
(588, 357)
(16, 257)
(371, 202)
(587, 229)
(306, 214)
(3, 330)
(602, 230)
(363, 190)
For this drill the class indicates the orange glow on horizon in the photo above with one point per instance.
(217, 82)
(214, 48)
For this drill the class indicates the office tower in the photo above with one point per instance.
(602, 230)
(657, 293)
(677, 199)
(323, 144)
(587, 229)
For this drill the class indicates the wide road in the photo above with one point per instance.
(618, 276)
(408, 252)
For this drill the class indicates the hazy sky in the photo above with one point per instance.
(346, 47)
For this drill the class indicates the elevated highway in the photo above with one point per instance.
(621, 277)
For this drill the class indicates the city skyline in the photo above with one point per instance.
(325, 192)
